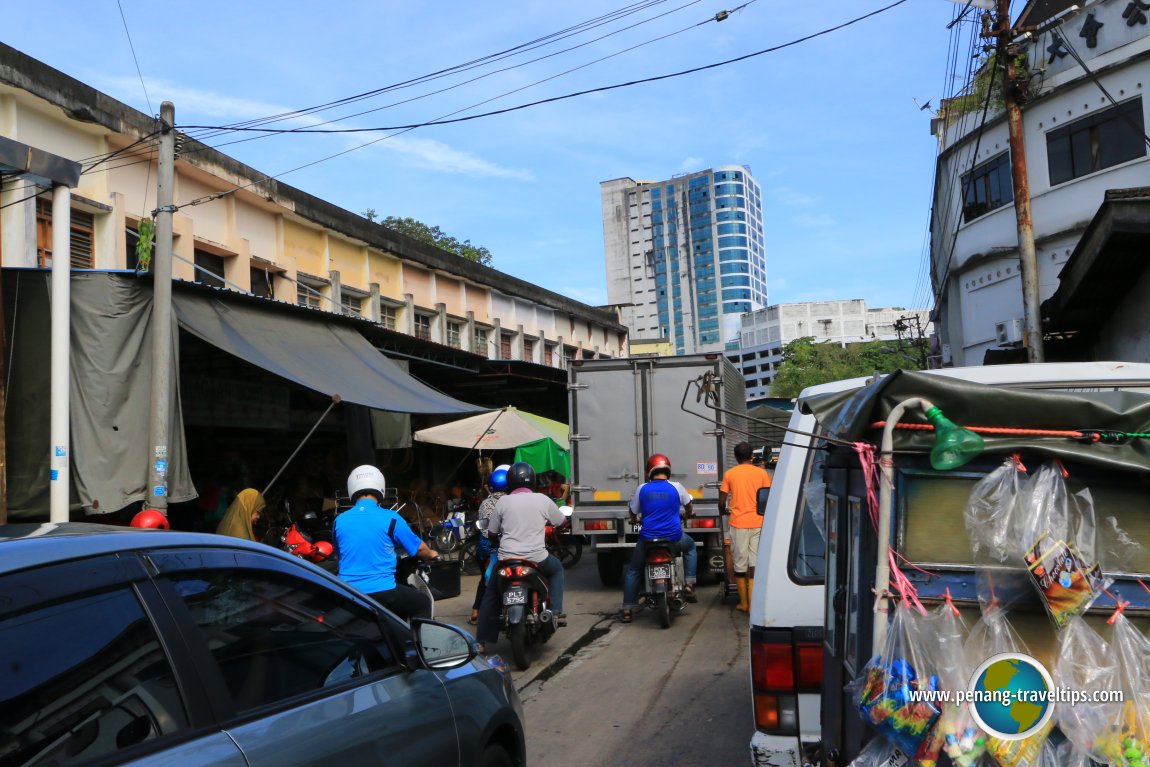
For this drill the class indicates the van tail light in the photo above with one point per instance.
(704, 522)
(658, 556)
(784, 662)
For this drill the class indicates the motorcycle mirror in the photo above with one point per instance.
(482, 524)
(566, 510)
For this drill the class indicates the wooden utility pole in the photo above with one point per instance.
(1014, 87)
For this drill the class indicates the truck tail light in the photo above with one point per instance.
(781, 667)
(706, 522)
(599, 524)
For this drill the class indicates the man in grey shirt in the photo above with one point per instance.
(520, 520)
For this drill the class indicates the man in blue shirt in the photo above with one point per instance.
(656, 504)
(366, 537)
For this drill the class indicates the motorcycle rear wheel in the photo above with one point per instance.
(663, 610)
(518, 634)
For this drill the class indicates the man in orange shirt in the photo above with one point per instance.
(741, 486)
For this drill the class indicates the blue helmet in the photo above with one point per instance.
(498, 479)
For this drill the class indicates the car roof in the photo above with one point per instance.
(24, 545)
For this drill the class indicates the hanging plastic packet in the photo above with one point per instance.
(1056, 528)
(990, 509)
(892, 681)
(992, 636)
(1086, 664)
(880, 752)
(955, 732)
(1126, 741)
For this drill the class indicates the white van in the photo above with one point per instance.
(788, 604)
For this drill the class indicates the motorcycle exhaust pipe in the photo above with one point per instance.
(546, 616)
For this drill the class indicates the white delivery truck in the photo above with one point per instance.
(622, 411)
(804, 642)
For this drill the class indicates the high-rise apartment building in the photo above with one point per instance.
(685, 257)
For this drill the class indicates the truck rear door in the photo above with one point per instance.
(607, 433)
(693, 444)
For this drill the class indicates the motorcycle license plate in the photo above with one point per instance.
(659, 571)
(515, 598)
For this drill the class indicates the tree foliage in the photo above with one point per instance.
(806, 363)
(433, 235)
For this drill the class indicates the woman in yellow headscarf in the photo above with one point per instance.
(244, 511)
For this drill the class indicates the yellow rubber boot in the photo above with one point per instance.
(743, 605)
(750, 591)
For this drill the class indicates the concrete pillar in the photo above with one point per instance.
(374, 311)
(469, 330)
(517, 343)
(406, 324)
(336, 292)
(497, 333)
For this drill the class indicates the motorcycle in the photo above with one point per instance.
(449, 535)
(295, 541)
(526, 617)
(664, 582)
(567, 548)
(416, 573)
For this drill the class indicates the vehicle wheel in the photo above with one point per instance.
(446, 541)
(469, 556)
(569, 550)
(610, 569)
(495, 755)
(519, 646)
(663, 609)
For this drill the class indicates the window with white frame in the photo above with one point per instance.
(479, 341)
(352, 303)
(423, 327)
(308, 295)
(453, 335)
(387, 317)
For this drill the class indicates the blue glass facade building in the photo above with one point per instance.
(685, 257)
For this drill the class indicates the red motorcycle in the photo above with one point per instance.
(565, 546)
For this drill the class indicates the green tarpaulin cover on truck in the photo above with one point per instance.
(849, 415)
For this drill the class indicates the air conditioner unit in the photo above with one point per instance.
(1009, 332)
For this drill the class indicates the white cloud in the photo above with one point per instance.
(427, 154)
(815, 221)
(791, 196)
(691, 164)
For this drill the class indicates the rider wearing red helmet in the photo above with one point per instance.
(657, 503)
(150, 518)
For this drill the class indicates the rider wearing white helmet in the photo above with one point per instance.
(366, 537)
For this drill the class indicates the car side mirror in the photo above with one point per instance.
(440, 645)
(761, 500)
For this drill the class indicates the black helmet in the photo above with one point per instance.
(520, 475)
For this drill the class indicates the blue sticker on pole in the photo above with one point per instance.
(161, 467)
(61, 451)
(55, 474)
(159, 490)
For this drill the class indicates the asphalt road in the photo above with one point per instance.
(605, 693)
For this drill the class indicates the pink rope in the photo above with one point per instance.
(903, 585)
(865, 452)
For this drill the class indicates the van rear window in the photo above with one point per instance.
(807, 562)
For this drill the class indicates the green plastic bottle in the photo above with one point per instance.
(954, 446)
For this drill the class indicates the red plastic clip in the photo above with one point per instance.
(950, 604)
(1118, 609)
(1018, 465)
(1062, 468)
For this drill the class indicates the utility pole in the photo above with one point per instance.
(161, 406)
(1014, 88)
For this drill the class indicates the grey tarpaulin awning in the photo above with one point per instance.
(848, 415)
(323, 356)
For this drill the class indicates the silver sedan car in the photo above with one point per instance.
(124, 646)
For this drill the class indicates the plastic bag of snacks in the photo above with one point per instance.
(990, 509)
(992, 636)
(880, 752)
(890, 678)
(1057, 532)
(1086, 663)
(955, 732)
(1125, 742)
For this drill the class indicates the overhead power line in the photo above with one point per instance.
(564, 97)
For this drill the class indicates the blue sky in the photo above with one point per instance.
(830, 127)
